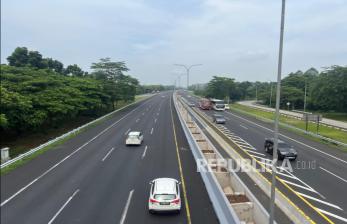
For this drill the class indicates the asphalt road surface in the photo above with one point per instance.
(319, 173)
(95, 178)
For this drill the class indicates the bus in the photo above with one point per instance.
(218, 105)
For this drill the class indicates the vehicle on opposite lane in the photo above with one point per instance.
(284, 151)
(134, 138)
(164, 195)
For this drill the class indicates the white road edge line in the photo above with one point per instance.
(308, 146)
(333, 174)
(109, 152)
(144, 152)
(68, 156)
(125, 211)
(332, 215)
(320, 201)
(62, 207)
(152, 131)
(243, 126)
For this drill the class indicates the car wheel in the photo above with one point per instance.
(178, 211)
(151, 211)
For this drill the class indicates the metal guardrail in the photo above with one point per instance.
(220, 203)
(74, 131)
(295, 128)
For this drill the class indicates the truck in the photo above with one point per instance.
(217, 105)
(205, 104)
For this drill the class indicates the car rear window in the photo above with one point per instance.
(164, 196)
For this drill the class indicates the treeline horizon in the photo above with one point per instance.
(325, 91)
(39, 93)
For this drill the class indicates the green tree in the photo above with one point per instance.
(19, 57)
(74, 70)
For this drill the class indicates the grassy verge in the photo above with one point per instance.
(323, 130)
(53, 145)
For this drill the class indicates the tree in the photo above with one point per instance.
(35, 60)
(220, 87)
(19, 58)
(107, 69)
(74, 70)
(55, 65)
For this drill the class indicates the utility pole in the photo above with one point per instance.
(305, 97)
(256, 92)
(278, 91)
(187, 67)
(270, 93)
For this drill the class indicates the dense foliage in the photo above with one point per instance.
(325, 91)
(39, 93)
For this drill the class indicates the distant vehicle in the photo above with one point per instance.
(205, 104)
(191, 104)
(219, 119)
(226, 106)
(218, 105)
(134, 138)
(164, 195)
(284, 150)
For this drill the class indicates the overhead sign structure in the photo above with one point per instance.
(312, 117)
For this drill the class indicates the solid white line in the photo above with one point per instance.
(125, 211)
(300, 186)
(308, 146)
(152, 131)
(333, 174)
(144, 152)
(251, 151)
(243, 126)
(62, 207)
(320, 201)
(332, 215)
(127, 132)
(68, 156)
(109, 152)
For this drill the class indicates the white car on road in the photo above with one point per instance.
(164, 195)
(134, 138)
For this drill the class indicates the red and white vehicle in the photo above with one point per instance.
(164, 195)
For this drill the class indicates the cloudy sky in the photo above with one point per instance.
(234, 38)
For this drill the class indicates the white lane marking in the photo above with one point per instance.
(144, 152)
(308, 146)
(243, 126)
(333, 174)
(143, 114)
(137, 120)
(155, 120)
(157, 114)
(152, 131)
(125, 211)
(68, 156)
(127, 132)
(320, 201)
(300, 186)
(262, 158)
(251, 151)
(332, 215)
(62, 207)
(109, 152)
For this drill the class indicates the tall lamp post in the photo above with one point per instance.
(278, 91)
(187, 67)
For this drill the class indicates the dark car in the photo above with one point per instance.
(284, 150)
(218, 119)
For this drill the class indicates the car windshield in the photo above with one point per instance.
(133, 136)
(220, 105)
(283, 145)
(165, 196)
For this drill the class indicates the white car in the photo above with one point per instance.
(164, 195)
(134, 138)
(227, 107)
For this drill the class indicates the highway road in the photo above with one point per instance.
(319, 174)
(95, 178)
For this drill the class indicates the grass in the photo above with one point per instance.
(21, 148)
(312, 127)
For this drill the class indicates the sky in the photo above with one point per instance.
(233, 38)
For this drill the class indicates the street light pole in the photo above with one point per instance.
(278, 91)
(305, 97)
(270, 93)
(187, 70)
